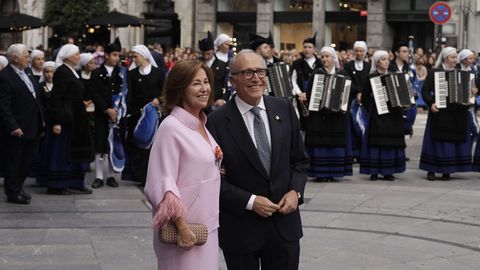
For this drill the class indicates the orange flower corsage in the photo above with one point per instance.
(218, 155)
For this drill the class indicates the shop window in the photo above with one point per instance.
(237, 5)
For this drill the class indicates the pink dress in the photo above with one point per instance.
(184, 163)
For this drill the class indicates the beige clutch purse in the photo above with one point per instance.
(168, 233)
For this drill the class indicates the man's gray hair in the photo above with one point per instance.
(232, 65)
(17, 50)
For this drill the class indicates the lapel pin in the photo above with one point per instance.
(277, 117)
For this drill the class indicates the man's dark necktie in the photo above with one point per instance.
(263, 147)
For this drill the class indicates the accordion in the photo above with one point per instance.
(392, 92)
(279, 81)
(453, 87)
(330, 92)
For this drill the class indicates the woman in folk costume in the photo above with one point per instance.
(68, 139)
(86, 65)
(327, 133)
(145, 83)
(358, 71)
(37, 59)
(447, 144)
(183, 180)
(46, 86)
(383, 145)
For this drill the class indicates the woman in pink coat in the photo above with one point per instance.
(183, 179)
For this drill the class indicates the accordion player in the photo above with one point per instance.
(454, 87)
(392, 92)
(330, 92)
(279, 81)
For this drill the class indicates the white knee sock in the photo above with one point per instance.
(99, 164)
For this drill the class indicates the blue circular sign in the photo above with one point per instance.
(440, 13)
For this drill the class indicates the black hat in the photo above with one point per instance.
(270, 39)
(256, 40)
(206, 44)
(397, 45)
(114, 47)
(312, 40)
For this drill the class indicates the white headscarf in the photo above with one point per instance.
(36, 53)
(66, 51)
(84, 59)
(463, 54)
(46, 65)
(332, 52)
(145, 53)
(222, 38)
(375, 58)
(444, 54)
(363, 45)
(3, 61)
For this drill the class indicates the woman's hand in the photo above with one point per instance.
(57, 129)
(185, 238)
(434, 108)
(155, 102)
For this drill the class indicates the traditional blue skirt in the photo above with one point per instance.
(445, 157)
(380, 160)
(331, 161)
(56, 169)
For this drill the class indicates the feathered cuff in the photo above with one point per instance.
(169, 209)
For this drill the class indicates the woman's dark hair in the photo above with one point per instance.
(179, 78)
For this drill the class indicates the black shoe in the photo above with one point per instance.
(388, 178)
(80, 191)
(445, 177)
(407, 159)
(58, 191)
(111, 182)
(97, 183)
(373, 177)
(18, 199)
(25, 195)
(431, 176)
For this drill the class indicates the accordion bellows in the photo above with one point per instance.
(168, 234)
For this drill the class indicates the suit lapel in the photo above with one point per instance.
(238, 131)
(275, 121)
(21, 82)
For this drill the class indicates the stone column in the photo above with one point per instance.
(205, 20)
(264, 17)
(318, 21)
(379, 33)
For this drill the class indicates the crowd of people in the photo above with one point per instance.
(142, 115)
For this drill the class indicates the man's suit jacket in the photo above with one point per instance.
(243, 230)
(18, 107)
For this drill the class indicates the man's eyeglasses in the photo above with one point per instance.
(248, 74)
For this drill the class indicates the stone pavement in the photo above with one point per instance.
(410, 223)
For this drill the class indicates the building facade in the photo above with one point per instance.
(337, 22)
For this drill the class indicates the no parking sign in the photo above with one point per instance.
(440, 13)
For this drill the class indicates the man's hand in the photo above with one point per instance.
(264, 207)
(17, 133)
(112, 114)
(434, 108)
(359, 97)
(302, 96)
(289, 202)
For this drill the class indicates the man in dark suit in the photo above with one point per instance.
(264, 172)
(219, 68)
(21, 122)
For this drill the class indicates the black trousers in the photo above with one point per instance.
(138, 162)
(275, 254)
(18, 157)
